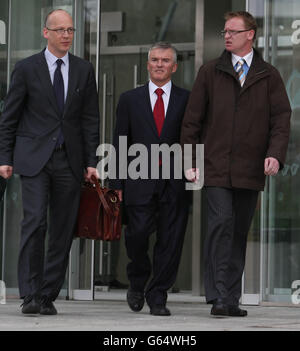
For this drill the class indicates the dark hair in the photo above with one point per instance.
(248, 19)
(164, 45)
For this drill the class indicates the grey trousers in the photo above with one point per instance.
(230, 212)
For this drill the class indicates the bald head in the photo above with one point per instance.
(54, 15)
(59, 32)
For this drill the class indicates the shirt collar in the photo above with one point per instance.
(248, 58)
(166, 88)
(51, 59)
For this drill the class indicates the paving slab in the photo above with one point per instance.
(115, 315)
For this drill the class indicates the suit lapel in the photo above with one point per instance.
(174, 102)
(172, 109)
(44, 75)
(72, 82)
(146, 103)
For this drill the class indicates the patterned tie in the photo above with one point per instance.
(240, 71)
(58, 85)
(159, 111)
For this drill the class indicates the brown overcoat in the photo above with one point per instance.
(239, 127)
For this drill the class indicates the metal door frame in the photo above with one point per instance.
(73, 271)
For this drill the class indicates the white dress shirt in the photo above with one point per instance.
(52, 65)
(166, 96)
(248, 58)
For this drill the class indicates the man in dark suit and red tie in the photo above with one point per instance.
(152, 115)
(49, 133)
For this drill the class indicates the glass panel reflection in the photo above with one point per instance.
(279, 44)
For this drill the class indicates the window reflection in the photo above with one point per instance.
(279, 42)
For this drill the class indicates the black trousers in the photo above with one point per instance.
(2, 187)
(230, 212)
(54, 188)
(167, 215)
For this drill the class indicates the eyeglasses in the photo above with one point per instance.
(233, 32)
(61, 31)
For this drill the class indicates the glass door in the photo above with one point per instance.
(128, 29)
(280, 45)
(21, 26)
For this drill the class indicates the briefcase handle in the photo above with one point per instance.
(101, 196)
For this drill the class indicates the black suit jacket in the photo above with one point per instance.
(30, 123)
(135, 121)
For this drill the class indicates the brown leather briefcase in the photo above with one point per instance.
(99, 215)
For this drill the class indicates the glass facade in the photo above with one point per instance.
(280, 221)
(24, 22)
(115, 36)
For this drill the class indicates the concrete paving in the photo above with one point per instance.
(112, 314)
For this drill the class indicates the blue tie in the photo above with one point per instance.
(241, 69)
(58, 84)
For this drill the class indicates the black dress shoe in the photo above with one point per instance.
(135, 300)
(47, 307)
(219, 308)
(235, 311)
(160, 310)
(31, 305)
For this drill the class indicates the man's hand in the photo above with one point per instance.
(120, 194)
(271, 166)
(6, 171)
(192, 174)
(91, 172)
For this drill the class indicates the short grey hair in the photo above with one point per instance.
(164, 46)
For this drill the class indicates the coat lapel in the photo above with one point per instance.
(146, 103)
(257, 71)
(43, 73)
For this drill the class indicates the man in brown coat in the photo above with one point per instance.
(240, 111)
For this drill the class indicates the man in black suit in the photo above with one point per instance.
(49, 135)
(151, 115)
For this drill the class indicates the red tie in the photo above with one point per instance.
(159, 111)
